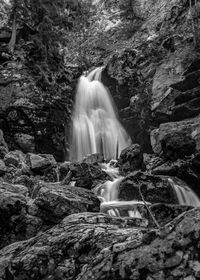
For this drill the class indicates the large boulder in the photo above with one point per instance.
(154, 189)
(53, 201)
(177, 139)
(96, 246)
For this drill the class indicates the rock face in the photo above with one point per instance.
(24, 212)
(131, 158)
(54, 202)
(95, 246)
(181, 138)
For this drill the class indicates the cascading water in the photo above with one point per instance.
(110, 203)
(95, 127)
(108, 194)
(184, 194)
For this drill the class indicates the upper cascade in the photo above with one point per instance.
(95, 127)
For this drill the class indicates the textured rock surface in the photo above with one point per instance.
(87, 175)
(131, 158)
(184, 136)
(24, 211)
(55, 201)
(154, 188)
(95, 246)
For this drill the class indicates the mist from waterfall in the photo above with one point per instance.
(95, 126)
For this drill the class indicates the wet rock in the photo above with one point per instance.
(56, 201)
(154, 189)
(26, 142)
(87, 175)
(182, 136)
(117, 250)
(38, 163)
(94, 159)
(131, 158)
(63, 169)
(14, 158)
(165, 213)
(151, 161)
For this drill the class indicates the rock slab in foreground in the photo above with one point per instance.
(95, 246)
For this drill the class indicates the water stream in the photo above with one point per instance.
(96, 129)
(95, 126)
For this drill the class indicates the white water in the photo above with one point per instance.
(110, 203)
(108, 194)
(95, 127)
(184, 194)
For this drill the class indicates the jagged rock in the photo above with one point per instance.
(151, 161)
(154, 189)
(56, 201)
(14, 158)
(64, 169)
(131, 158)
(3, 168)
(87, 175)
(26, 142)
(174, 97)
(183, 136)
(40, 162)
(117, 250)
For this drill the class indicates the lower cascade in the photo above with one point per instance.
(95, 127)
(112, 205)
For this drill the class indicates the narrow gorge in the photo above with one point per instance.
(99, 140)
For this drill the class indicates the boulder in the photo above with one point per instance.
(14, 158)
(117, 250)
(26, 142)
(63, 169)
(39, 162)
(131, 158)
(56, 201)
(177, 139)
(154, 189)
(87, 175)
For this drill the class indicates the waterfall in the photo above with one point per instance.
(184, 194)
(95, 127)
(108, 193)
